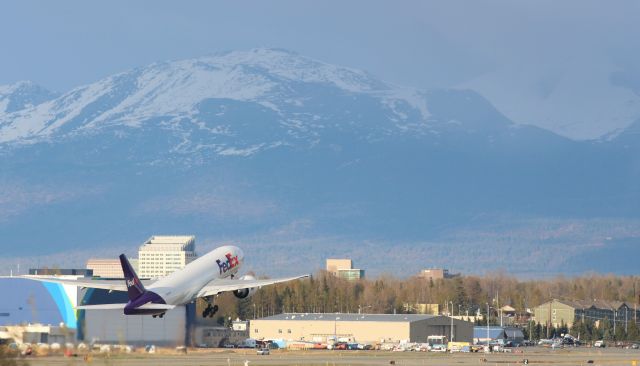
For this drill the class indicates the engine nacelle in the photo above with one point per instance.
(245, 292)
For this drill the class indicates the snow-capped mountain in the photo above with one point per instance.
(171, 94)
(581, 97)
(20, 96)
(268, 146)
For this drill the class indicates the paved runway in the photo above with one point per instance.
(535, 356)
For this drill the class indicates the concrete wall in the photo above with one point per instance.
(112, 326)
(360, 331)
(205, 336)
(462, 330)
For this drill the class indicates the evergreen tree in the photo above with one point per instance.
(633, 333)
(606, 330)
(578, 329)
(564, 329)
(538, 332)
(620, 334)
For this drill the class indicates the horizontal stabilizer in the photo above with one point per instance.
(121, 306)
(101, 307)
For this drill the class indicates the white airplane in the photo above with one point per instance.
(205, 277)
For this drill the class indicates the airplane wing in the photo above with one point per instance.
(217, 286)
(121, 306)
(111, 285)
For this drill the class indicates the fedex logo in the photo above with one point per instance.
(228, 264)
(131, 282)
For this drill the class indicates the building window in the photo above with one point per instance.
(289, 331)
(255, 330)
(279, 330)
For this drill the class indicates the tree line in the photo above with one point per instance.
(587, 331)
(468, 295)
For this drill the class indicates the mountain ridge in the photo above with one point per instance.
(269, 144)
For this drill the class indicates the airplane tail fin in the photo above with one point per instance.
(134, 287)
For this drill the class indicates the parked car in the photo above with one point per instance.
(599, 344)
(263, 352)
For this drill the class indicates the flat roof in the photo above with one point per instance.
(104, 260)
(341, 317)
(169, 243)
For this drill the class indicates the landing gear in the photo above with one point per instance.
(211, 309)
(158, 315)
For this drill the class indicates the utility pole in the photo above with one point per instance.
(549, 322)
(488, 325)
(615, 315)
(626, 311)
(451, 315)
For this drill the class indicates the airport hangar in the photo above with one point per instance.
(362, 328)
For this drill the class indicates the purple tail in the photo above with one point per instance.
(135, 288)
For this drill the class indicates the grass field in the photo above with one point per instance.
(535, 356)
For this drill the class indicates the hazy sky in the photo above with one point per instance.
(420, 43)
(539, 62)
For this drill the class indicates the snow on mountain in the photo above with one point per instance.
(21, 95)
(267, 143)
(174, 91)
(578, 98)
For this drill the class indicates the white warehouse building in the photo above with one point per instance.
(162, 255)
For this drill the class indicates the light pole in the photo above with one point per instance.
(488, 325)
(451, 315)
(615, 315)
(626, 311)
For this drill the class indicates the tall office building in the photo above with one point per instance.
(162, 255)
(343, 268)
(334, 265)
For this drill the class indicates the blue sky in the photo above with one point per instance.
(515, 53)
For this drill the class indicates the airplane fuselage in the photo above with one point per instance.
(183, 286)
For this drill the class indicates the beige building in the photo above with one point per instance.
(364, 328)
(434, 273)
(109, 268)
(418, 308)
(162, 255)
(558, 312)
(333, 265)
(36, 333)
(343, 268)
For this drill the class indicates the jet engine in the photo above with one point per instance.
(245, 292)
